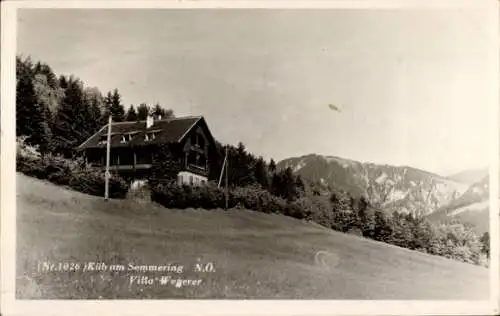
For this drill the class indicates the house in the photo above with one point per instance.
(133, 145)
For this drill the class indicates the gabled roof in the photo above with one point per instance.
(168, 131)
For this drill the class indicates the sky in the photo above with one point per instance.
(412, 85)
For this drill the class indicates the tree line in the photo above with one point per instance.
(412, 231)
(57, 113)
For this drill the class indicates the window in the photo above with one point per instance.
(179, 180)
(197, 140)
(196, 160)
(150, 136)
(127, 137)
(191, 180)
(202, 182)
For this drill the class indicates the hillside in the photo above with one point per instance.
(469, 176)
(394, 188)
(255, 255)
(472, 207)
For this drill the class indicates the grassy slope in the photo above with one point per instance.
(256, 255)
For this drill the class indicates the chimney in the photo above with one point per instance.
(149, 121)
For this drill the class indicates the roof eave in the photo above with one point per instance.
(82, 145)
(189, 129)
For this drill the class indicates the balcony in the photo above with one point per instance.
(123, 167)
(197, 169)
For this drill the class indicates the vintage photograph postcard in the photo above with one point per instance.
(320, 157)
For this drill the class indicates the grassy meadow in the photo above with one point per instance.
(255, 255)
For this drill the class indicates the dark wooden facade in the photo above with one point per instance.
(133, 147)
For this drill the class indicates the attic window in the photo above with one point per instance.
(197, 140)
(127, 137)
(150, 136)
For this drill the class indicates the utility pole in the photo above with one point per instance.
(227, 189)
(108, 149)
(222, 172)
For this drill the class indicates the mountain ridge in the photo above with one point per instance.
(472, 207)
(469, 176)
(395, 188)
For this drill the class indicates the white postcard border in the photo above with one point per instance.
(11, 306)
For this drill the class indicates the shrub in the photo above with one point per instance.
(92, 182)
(30, 166)
(26, 150)
(62, 171)
(210, 196)
(171, 195)
(301, 208)
(257, 199)
(321, 211)
(58, 170)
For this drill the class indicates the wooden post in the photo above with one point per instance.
(227, 189)
(108, 150)
(222, 172)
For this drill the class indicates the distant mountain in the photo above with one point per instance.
(470, 176)
(394, 188)
(472, 207)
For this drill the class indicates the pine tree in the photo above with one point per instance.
(158, 111)
(63, 82)
(131, 114)
(343, 217)
(73, 120)
(401, 230)
(261, 173)
(51, 77)
(299, 186)
(108, 101)
(241, 173)
(32, 118)
(24, 67)
(383, 229)
(284, 184)
(96, 118)
(142, 111)
(45, 141)
(25, 106)
(485, 242)
(95, 102)
(291, 188)
(46, 95)
(116, 107)
(272, 166)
